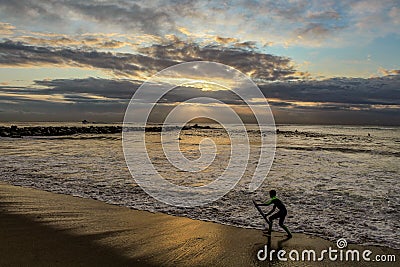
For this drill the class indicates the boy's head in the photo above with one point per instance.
(272, 193)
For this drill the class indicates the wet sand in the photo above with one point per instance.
(39, 228)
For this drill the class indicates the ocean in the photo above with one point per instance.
(336, 181)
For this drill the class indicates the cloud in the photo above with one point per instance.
(124, 14)
(37, 110)
(257, 65)
(278, 22)
(150, 59)
(31, 10)
(129, 15)
(323, 15)
(96, 88)
(6, 28)
(371, 19)
(348, 91)
(140, 38)
(225, 40)
(19, 54)
(74, 91)
(248, 44)
(315, 30)
(336, 100)
(388, 72)
(394, 14)
(70, 42)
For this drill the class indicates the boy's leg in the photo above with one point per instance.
(281, 221)
(271, 219)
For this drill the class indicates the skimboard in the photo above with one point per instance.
(260, 211)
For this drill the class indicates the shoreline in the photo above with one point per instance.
(40, 228)
(219, 222)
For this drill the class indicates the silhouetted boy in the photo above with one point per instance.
(281, 214)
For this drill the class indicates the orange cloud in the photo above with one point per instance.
(6, 28)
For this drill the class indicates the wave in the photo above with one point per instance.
(342, 149)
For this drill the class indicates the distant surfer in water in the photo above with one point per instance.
(281, 214)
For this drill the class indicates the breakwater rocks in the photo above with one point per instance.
(18, 132)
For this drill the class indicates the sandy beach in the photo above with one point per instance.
(45, 229)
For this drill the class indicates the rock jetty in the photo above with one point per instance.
(18, 132)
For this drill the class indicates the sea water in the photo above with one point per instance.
(336, 181)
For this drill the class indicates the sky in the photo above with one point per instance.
(316, 62)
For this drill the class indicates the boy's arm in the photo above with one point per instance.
(265, 204)
(273, 209)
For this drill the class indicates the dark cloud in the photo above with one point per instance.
(19, 54)
(150, 59)
(374, 91)
(32, 11)
(337, 101)
(36, 110)
(112, 89)
(76, 43)
(257, 65)
(323, 116)
(316, 30)
(126, 14)
(102, 90)
(97, 99)
(67, 100)
(248, 44)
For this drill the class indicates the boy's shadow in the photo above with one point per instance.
(281, 242)
(278, 245)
